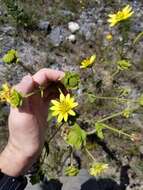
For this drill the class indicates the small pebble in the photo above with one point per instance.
(72, 38)
(73, 26)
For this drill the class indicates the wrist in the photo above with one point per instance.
(13, 163)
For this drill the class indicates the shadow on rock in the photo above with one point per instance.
(84, 182)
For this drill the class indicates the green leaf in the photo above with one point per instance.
(71, 80)
(99, 129)
(76, 137)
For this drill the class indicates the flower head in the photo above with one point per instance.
(88, 62)
(64, 107)
(98, 168)
(121, 15)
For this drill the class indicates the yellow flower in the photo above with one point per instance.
(109, 37)
(10, 96)
(71, 171)
(64, 107)
(98, 168)
(88, 62)
(124, 14)
(5, 93)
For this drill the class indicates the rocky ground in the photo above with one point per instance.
(59, 35)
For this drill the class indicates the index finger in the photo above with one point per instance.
(44, 76)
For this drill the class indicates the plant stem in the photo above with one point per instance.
(116, 72)
(90, 155)
(110, 117)
(108, 127)
(118, 131)
(71, 157)
(137, 38)
(114, 98)
(112, 129)
(30, 94)
(41, 89)
(25, 68)
(50, 139)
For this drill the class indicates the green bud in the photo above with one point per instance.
(71, 80)
(127, 113)
(10, 57)
(123, 64)
(16, 99)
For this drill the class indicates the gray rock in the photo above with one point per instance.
(7, 30)
(57, 36)
(44, 25)
(88, 30)
(30, 55)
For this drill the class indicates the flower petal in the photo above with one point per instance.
(55, 103)
(62, 97)
(71, 112)
(60, 118)
(68, 98)
(55, 113)
(65, 117)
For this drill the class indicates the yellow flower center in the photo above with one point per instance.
(64, 107)
(120, 15)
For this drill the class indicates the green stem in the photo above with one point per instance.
(90, 155)
(115, 98)
(137, 38)
(25, 68)
(50, 139)
(40, 90)
(118, 131)
(112, 129)
(110, 117)
(108, 127)
(71, 157)
(116, 72)
(30, 94)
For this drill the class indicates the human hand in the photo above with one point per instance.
(27, 124)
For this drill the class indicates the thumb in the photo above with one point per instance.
(26, 85)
